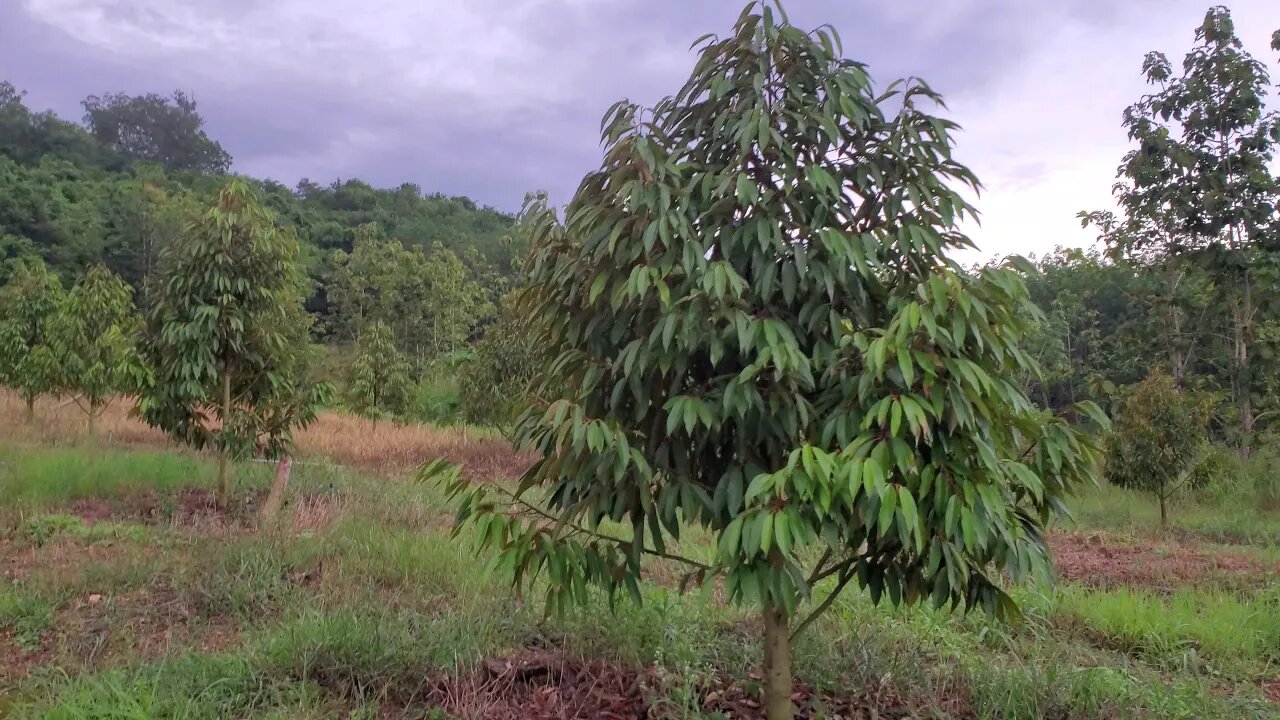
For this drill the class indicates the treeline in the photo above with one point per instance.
(1174, 323)
(1186, 279)
(118, 187)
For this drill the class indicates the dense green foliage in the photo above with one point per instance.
(116, 193)
(228, 334)
(1190, 278)
(495, 384)
(430, 301)
(757, 331)
(152, 128)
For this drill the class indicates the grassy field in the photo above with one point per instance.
(126, 594)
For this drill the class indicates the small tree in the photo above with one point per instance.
(496, 385)
(28, 303)
(228, 334)
(95, 342)
(378, 385)
(1160, 439)
(757, 330)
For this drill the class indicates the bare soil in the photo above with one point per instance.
(1105, 561)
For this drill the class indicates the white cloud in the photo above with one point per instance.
(1046, 140)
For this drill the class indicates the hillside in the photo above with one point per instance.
(114, 188)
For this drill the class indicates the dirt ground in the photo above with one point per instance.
(1102, 560)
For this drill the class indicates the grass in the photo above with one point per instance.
(1189, 630)
(384, 448)
(361, 604)
(45, 476)
(1228, 516)
(26, 616)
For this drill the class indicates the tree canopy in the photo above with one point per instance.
(153, 128)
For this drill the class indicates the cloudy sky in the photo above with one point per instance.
(492, 98)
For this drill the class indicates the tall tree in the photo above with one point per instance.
(94, 338)
(155, 128)
(229, 335)
(378, 384)
(28, 303)
(758, 331)
(1199, 188)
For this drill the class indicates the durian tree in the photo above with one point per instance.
(94, 337)
(756, 327)
(378, 384)
(228, 335)
(29, 302)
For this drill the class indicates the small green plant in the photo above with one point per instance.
(40, 530)
(26, 616)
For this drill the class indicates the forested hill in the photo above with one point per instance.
(112, 188)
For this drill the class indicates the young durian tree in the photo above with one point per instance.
(95, 337)
(378, 384)
(229, 335)
(757, 329)
(29, 303)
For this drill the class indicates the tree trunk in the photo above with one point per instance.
(93, 421)
(1244, 312)
(270, 508)
(224, 487)
(1179, 356)
(777, 665)
(1164, 513)
(31, 409)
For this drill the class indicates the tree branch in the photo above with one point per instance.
(599, 535)
(845, 577)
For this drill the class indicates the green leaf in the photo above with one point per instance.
(748, 193)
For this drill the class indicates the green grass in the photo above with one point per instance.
(1222, 516)
(1186, 631)
(42, 529)
(45, 476)
(26, 616)
(377, 598)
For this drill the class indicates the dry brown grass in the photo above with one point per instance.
(386, 448)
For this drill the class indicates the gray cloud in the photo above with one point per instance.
(492, 98)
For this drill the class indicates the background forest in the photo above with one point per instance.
(114, 189)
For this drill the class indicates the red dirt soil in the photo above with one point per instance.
(1271, 689)
(1104, 561)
